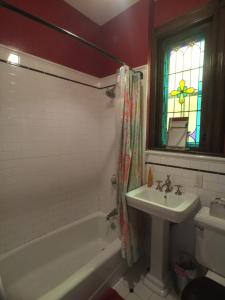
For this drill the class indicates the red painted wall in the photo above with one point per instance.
(167, 10)
(125, 36)
(28, 36)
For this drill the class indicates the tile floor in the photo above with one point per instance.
(134, 277)
(141, 292)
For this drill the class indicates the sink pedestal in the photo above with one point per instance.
(158, 277)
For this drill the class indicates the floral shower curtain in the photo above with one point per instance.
(130, 162)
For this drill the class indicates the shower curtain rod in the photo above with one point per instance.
(59, 29)
(24, 13)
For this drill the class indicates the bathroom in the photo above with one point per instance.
(112, 150)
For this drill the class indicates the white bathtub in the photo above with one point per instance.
(75, 262)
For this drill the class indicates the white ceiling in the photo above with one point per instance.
(101, 11)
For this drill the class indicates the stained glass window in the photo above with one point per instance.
(183, 75)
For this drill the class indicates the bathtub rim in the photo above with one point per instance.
(89, 268)
(65, 227)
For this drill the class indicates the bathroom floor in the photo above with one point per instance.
(141, 292)
(134, 277)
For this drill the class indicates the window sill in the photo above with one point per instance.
(189, 155)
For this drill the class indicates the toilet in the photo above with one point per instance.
(210, 253)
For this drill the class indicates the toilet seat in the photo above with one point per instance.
(203, 288)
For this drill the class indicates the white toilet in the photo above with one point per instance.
(210, 253)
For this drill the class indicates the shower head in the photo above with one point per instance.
(111, 92)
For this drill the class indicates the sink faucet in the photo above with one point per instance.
(168, 185)
(113, 213)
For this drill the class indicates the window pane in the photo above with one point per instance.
(183, 75)
(171, 103)
(179, 61)
(172, 62)
(193, 103)
(187, 59)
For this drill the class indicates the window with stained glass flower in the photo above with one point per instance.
(183, 75)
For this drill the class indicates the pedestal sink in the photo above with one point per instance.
(163, 208)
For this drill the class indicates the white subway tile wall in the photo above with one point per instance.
(206, 185)
(56, 150)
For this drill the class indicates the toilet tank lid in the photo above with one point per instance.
(203, 217)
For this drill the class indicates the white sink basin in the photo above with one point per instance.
(168, 206)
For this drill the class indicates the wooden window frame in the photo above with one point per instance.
(210, 18)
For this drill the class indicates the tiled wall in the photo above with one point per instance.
(50, 151)
(205, 184)
(109, 132)
(58, 148)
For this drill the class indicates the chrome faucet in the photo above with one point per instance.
(113, 213)
(168, 185)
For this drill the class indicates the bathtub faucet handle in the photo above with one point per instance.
(113, 213)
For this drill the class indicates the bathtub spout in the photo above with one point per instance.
(113, 213)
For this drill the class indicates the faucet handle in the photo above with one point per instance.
(178, 192)
(168, 180)
(159, 188)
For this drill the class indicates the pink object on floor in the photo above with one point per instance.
(111, 294)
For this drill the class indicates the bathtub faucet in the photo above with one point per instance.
(113, 213)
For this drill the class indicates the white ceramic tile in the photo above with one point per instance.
(214, 187)
(47, 66)
(184, 156)
(121, 289)
(212, 177)
(58, 149)
(217, 167)
(221, 179)
(132, 296)
(48, 128)
(155, 297)
(142, 291)
(199, 165)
